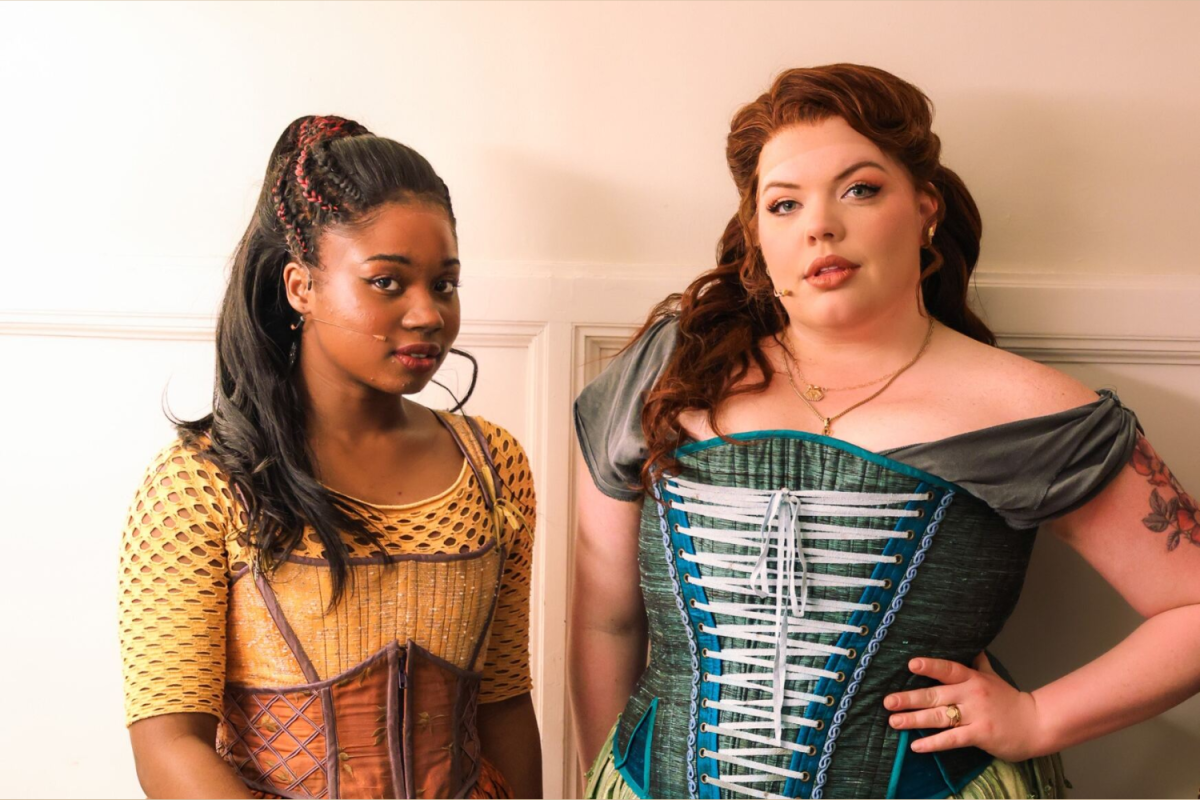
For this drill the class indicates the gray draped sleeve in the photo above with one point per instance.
(1029, 471)
(1034, 470)
(608, 413)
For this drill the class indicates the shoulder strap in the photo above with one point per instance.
(471, 442)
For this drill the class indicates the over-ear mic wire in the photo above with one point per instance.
(375, 336)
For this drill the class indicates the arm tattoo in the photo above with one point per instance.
(1172, 510)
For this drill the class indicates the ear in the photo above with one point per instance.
(927, 206)
(297, 282)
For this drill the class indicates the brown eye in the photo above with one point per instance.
(446, 287)
(385, 283)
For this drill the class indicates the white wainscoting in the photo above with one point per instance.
(82, 417)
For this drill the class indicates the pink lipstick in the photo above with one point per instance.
(829, 272)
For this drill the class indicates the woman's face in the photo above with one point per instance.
(840, 225)
(383, 308)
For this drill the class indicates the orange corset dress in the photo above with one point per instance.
(376, 697)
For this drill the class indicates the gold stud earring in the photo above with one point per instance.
(782, 292)
(932, 230)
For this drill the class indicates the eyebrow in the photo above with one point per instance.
(844, 173)
(407, 262)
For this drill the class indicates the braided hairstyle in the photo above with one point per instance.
(324, 171)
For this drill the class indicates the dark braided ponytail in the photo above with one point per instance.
(323, 171)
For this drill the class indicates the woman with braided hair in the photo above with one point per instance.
(324, 585)
(813, 484)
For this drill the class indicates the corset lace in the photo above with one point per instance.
(763, 600)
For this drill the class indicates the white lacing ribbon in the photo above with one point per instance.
(779, 574)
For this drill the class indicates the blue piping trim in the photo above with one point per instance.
(640, 784)
(679, 524)
(839, 718)
(829, 441)
(898, 765)
(905, 548)
(693, 782)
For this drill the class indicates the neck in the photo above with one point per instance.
(833, 355)
(337, 410)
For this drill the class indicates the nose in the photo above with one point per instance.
(423, 313)
(824, 224)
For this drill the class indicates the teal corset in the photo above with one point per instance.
(788, 580)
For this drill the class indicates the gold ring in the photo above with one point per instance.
(954, 714)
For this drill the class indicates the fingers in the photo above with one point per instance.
(942, 671)
(936, 717)
(948, 739)
(925, 718)
(917, 698)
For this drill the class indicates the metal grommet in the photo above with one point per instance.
(840, 677)
(692, 602)
(703, 753)
(703, 778)
(899, 559)
(688, 579)
(853, 654)
(679, 552)
(704, 702)
(929, 495)
(675, 527)
(875, 607)
(707, 677)
(910, 535)
(811, 751)
(829, 700)
(704, 727)
(887, 583)
(920, 513)
(820, 725)
(863, 630)
(804, 776)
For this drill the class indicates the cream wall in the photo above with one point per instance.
(583, 144)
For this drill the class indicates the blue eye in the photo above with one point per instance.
(862, 191)
(783, 207)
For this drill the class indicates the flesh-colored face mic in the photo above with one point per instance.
(377, 337)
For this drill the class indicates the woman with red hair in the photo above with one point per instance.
(813, 485)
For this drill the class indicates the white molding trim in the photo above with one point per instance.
(109, 325)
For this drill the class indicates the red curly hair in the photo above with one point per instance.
(726, 312)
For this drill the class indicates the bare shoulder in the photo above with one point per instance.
(1017, 387)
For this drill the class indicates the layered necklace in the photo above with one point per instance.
(813, 393)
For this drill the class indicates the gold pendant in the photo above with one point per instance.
(814, 393)
(828, 425)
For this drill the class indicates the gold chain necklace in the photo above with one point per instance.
(817, 393)
(827, 422)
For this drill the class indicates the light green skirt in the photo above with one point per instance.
(1040, 777)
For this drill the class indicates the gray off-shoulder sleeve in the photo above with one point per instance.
(608, 413)
(1035, 470)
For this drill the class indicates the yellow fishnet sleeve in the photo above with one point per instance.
(173, 587)
(506, 669)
